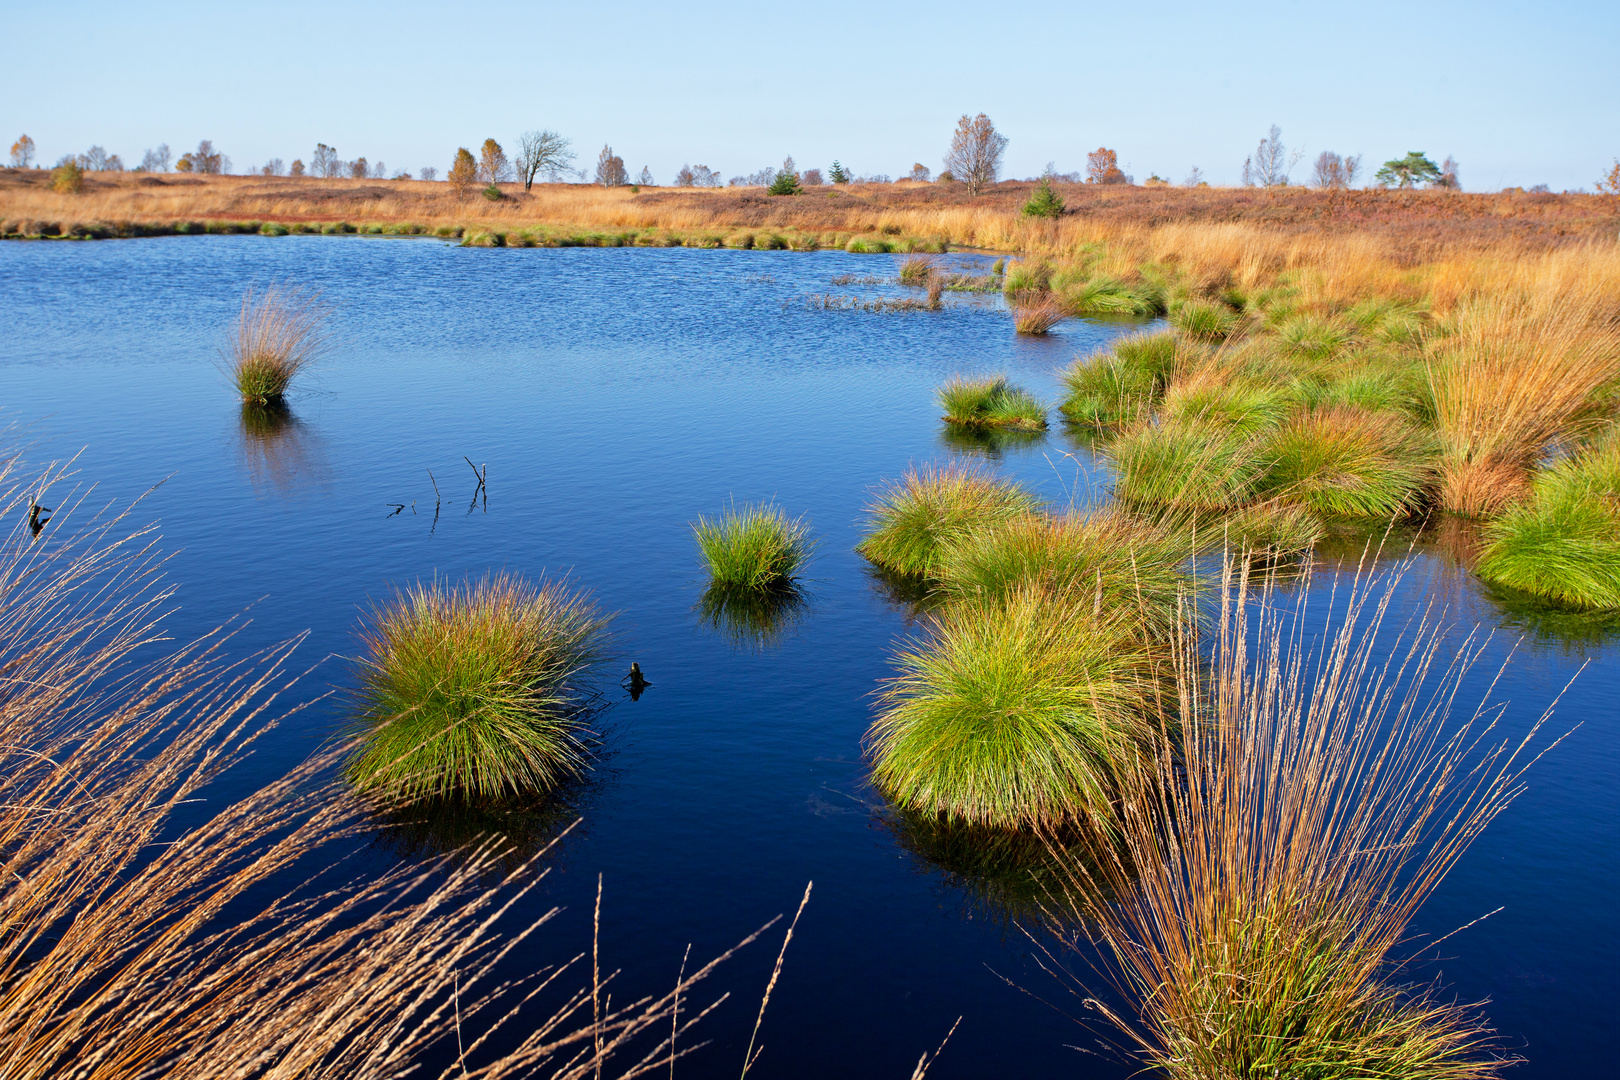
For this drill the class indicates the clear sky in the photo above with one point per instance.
(1521, 93)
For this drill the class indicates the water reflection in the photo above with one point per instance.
(912, 596)
(750, 619)
(279, 451)
(1010, 877)
(990, 443)
(525, 825)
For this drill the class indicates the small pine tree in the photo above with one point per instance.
(839, 174)
(786, 181)
(1045, 202)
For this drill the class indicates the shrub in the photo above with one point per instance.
(912, 517)
(1023, 713)
(1122, 385)
(1564, 542)
(67, 178)
(278, 333)
(494, 193)
(1187, 466)
(1105, 562)
(754, 549)
(475, 690)
(1044, 202)
(1203, 320)
(990, 402)
(1349, 462)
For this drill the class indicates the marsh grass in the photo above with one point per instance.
(911, 518)
(1036, 315)
(1563, 543)
(755, 548)
(1204, 320)
(1121, 385)
(1110, 297)
(1185, 466)
(279, 332)
(1017, 714)
(1349, 462)
(477, 690)
(916, 270)
(990, 402)
(1276, 865)
(1215, 395)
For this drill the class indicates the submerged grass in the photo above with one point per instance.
(990, 402)
(475, 690)
(754, 548)
(279, 333)
(913, 517)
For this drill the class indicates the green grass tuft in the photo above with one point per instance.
(1185, 466)
(475, 690)
(990, 402)
(1205, 321)
(1120, 386)
(915, 515)
(1106, 296)
(1241, 404)
(1348, 462)
(753, 549)
(1022, 713)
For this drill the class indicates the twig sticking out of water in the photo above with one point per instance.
(927, 1059)
(480, 489)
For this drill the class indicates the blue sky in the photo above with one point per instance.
(1519, 93)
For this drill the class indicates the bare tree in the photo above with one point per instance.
(358, 169)
(1328, 172)
(1448, 174)
(920, 173)
(324, 161)
(274, 167)
(705, 177)
(379, 171)
(297, 168)
(1352, 169)
(975, 154)
(94, 159)
(1195, 178)
(610, 170)
(22, 153)
(156, 160)
(811, 178)
(428, 173)
(684, 177)
(646, 178)
(1271, 163)
(543, 153)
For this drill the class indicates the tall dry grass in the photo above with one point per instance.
(135, 945)
(1270, 871)
(279, 332)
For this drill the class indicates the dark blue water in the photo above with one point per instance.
(614, 395)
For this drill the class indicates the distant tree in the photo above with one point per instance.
(493, 167)
(1271, 163)
(976, 152)
(22, 153)
(428, 173)
(156, 160)
(205, 159)
(1102, 167)
(184, 164)
(358, 169)
(811, 178)
(610, 170)
(646, 178)
(297, 168)
(946, 176)
(1195, 178)
(920, 173)
(1449, 177)
(839, 174)
(786, 180)
(542, 153)
(324, 162)
(379, 171)
(274, 167)
(1410, 171)
(68, 177)
(1610, 184)
(463, 173)
(401, 174)
(1044, 202)
(684, 177)
(1334, 172)
(705, 177)
(114, 163)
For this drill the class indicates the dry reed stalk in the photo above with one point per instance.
(134, 949)
(1270, 870)
(749, 1056)
(1038, 315)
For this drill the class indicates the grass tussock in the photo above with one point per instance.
(1216, 396)
(1266, 892)
(280, 332)
(1021, 713)
(1185, 466)
(1121, 385)
(990, 402)
(1563, 543)
(754, 548)
(1036, 315)
(912, 518)
(475, 690)
(1349, 462)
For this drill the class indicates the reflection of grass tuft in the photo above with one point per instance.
(752, 618)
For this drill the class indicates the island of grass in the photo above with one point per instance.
(990, 402)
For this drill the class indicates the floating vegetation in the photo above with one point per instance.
(280, 332)
(877, 305)
(477, 690)
(754, 549)
(911, 518)
(990, 402)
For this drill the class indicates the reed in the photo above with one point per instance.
(1349, 462)
(280, 332)
(990, 402)
(1270, 876)
(1563, 543)
(476, 690)
(754, 549)
(910, 519)
(1021, 713)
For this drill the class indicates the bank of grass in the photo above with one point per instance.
(1563, 542)
(1266, 888)
(754, 548)
(1021, 713)
(279, 332)
(910, 519)
(475, 690)
(990, 402)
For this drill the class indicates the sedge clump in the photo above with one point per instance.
(914, 516)
(279, 332)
